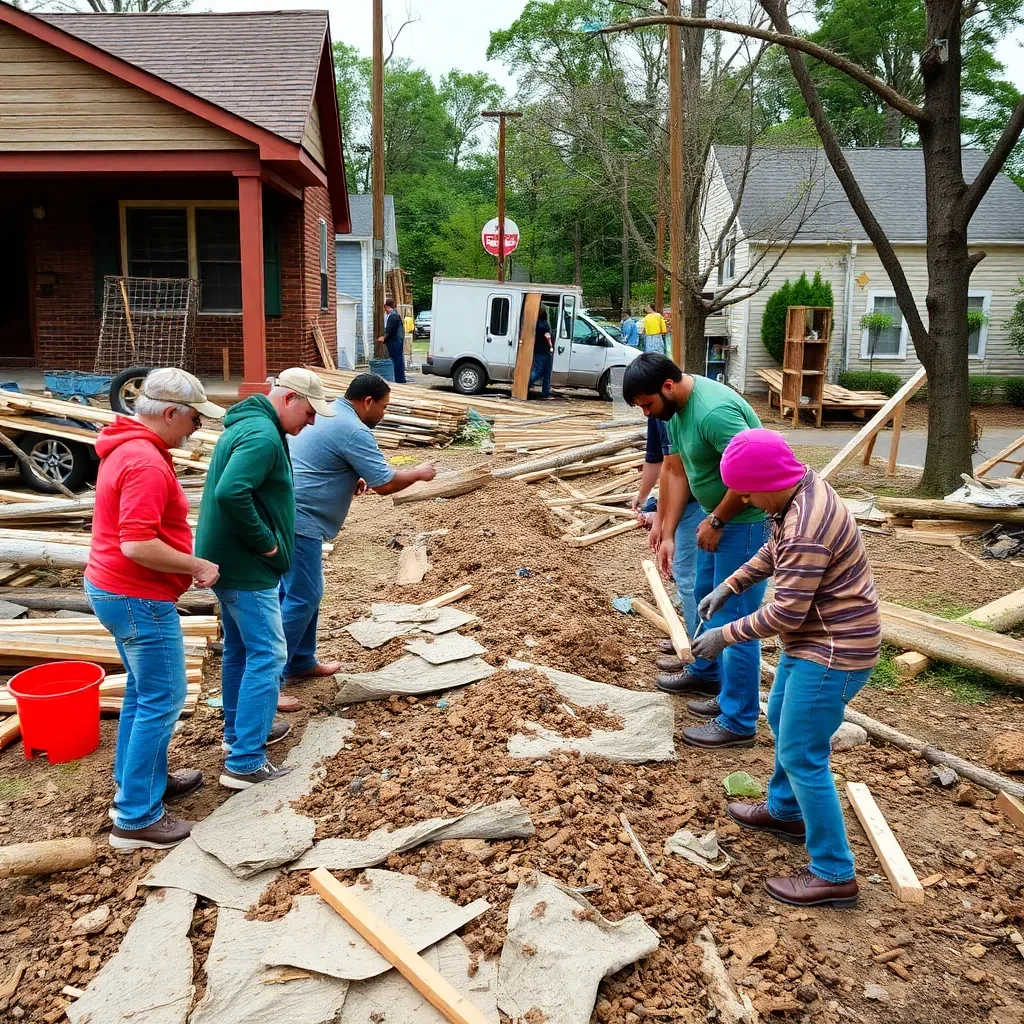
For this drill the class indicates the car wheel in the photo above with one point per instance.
(604, 386)
(68, 462)
(125, 389)
(469, 378)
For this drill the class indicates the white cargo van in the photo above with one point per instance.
(475, 336)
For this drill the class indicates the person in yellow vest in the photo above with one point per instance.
(409, 324)
(655, 330)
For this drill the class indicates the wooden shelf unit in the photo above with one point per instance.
(808, 335)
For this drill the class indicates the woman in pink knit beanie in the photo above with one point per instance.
(825, 611)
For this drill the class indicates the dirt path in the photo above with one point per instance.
(440, 759)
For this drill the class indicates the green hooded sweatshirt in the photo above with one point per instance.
(248, 502)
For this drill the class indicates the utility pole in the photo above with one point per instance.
(377, 186)
(659, 245)
(625, 237)
(501, 115)
(677, 216)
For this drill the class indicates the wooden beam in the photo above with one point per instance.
(1011, 807)
(45, 856)
(596, 538)
(1002, 456)
(894, 441)
(956, 642)
(524, 354)
(446, 485)
(452, 596)
(10, 730)
(564, 459)
(924, 508)
(676, 629)
(901, 875)
(875, 424)
(650, 613)
(439, 992)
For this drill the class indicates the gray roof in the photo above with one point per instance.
(361, 208)
(793, 192)
(260, 66)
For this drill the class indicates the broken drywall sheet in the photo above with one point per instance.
(237, 981)
(257, 828)
(372, 635)
(313, 937)
(703, 851)
(188, 867)
(403, 613)
(559, 948)
(449, 647)
(449, 619)
(392, 620)
(410, 675)
(389, 997)
(507, 819)
(647, 731)
(135, 985)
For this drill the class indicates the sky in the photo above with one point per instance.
(456, 33)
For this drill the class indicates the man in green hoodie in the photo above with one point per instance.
(247, 517)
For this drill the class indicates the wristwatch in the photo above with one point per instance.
(716, 523)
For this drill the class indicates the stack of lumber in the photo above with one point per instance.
(20, 412)
(551, 433)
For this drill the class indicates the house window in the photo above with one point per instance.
(976, 340)
(323, 263)
(891, 343)
(727, 257)
(187, 240)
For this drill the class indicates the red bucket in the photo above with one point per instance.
(59, 709)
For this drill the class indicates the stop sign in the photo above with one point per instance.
(489, 236)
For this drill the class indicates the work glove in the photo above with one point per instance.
(709, 644)
(714, 601)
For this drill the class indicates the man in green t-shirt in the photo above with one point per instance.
(703, 416)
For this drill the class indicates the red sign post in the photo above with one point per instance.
(491, 236)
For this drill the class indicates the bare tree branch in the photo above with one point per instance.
(994, 164)
(410, 19)
(790, 42)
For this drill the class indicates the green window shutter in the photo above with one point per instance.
(106, 246)
(271, 259)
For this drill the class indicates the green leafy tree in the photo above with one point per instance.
(352, 73)
(821, 292)
(464, 95)
(1014, 323)
(803, 293)
(773, 320)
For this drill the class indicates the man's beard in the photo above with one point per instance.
(669, 407)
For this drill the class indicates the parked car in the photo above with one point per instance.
(476, 336)
(422, 324)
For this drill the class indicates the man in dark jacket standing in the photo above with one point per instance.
(247, 517)
(394, 339)
(543, 356)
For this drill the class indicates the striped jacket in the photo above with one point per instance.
(825, 607)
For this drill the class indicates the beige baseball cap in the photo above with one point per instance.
(170, 384)
(308, 384)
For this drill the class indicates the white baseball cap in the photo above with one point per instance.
(308, 384)
(171, 384)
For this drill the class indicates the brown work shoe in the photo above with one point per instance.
(181, 784)
(670, 663)
(713, 737)
(758, 818)
(161, 835)
(808, 890)
(287, 703)
(666, 647)
(704, 708)
(686, 684)
(321, 668)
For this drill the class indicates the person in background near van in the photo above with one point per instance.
(247, 521)
(630, 331)
(703, 416)
(140, 563)
(394, 339)
(655, 330)
(333, 461)
(825, 611)
(543, 355)
(409, 323)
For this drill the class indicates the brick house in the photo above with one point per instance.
(169, 145)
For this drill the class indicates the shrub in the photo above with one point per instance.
(1015, 390)
(821, 292)
(984, 389)
(803, 294)
(863, 380)
(1014, 324)
(773, 322)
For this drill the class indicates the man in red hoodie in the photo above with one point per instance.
(140, 563)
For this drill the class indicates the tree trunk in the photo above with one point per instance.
(577, 254)
(943, 352)
(695, 316)
(892, 129)
(625, 238)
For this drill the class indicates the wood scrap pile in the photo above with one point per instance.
(423, 416)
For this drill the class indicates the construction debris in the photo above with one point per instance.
(46, 856)
(409, 676)
(731, 1007)
(382, 627)
(703, 851)
(559, 948)
(447, 648)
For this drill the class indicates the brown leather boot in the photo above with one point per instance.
(758, 818)
(704, 708)
(670, 663)
(712, 736)
(808, 890)
(686, 684)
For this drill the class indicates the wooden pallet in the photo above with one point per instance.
(834, 397)
(1005, 457)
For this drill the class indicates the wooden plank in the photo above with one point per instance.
(596, 538)
(1011, 808)
(875, 424)
(1002, 456)
(894, 441)
(936, 540)
(445, 599)
(446, 485)
(648, 612)
(924, 508)
(905, 567)
(46, 856)
(676, 629)
(901, 875)
(10, 730)
(911, 664)
(524, 354)
(440, 993)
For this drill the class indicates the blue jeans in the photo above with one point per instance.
(684, 564)
(254, 655)
(737, 670)
(654, 343)
(805, 708)
(302, 589)
(396, 353)
(149, 640)
(540, 372)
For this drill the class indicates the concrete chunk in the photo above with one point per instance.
(410, 675)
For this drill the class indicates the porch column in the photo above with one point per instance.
(254, 324)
